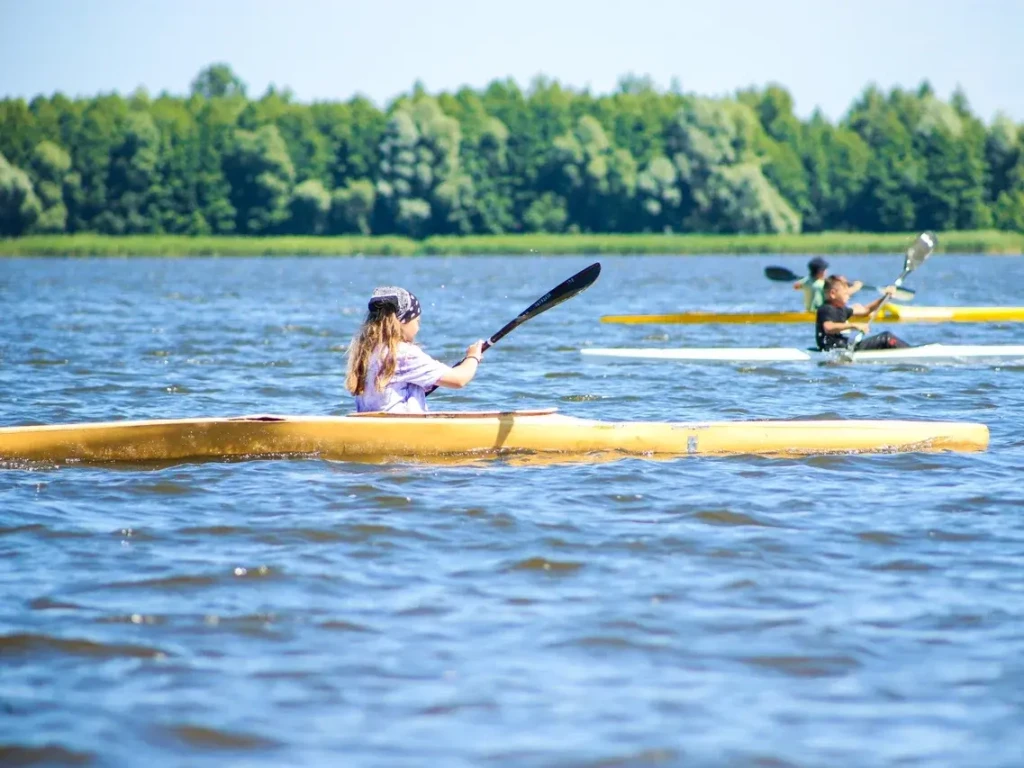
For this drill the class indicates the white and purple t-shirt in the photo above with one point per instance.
(415, 372)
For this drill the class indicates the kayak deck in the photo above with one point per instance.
(439, 434)
(926, 352)
(890, 313)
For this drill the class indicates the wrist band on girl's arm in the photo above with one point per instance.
(474, 357)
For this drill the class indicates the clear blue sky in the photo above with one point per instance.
(823, 51)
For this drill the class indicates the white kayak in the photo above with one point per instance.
(927, 352)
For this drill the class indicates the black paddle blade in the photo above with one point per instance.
(562, 292)
(780, 274)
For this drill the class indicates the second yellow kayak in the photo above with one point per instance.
(891, 313)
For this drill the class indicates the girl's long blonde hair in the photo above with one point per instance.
(380, 330)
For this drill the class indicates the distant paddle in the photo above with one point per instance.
(783, 275)
(917, 254)
(564, 291)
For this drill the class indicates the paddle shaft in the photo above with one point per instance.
(885, 299)
(783, 275)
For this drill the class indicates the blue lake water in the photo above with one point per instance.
(835, 610)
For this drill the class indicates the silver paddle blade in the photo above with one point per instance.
(920, 250)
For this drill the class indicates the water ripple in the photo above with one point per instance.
(19, 645)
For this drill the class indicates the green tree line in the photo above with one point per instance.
(547, 159)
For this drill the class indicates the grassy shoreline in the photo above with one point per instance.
(982, 241)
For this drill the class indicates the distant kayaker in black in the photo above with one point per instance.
(834, 317)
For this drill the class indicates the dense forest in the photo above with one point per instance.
(502, 160)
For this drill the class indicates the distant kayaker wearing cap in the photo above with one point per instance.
(833, 318)
(813, 285)
(386, 370)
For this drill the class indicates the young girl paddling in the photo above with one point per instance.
(386, 370)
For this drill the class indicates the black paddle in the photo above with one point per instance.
(783, 275)
(564, 291)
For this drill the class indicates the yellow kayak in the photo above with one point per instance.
(382, 436)
(891, 313)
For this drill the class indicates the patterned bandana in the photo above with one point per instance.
(405, 304)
